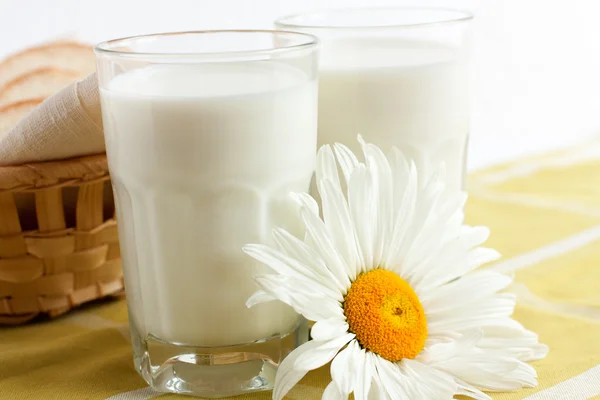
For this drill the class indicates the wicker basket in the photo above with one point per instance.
(58, 238)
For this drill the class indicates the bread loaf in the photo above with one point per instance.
(39, 83)
(11, 113)
(63, 55)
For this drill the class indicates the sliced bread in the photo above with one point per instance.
(63, 55)
(10, 114)
(39, 83)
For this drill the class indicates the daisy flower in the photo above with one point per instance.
(390, 276)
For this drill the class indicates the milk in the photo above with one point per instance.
(202, 158)
(404, 93)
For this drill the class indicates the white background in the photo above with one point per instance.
(537, 62)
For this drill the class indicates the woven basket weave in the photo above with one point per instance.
(58, 238)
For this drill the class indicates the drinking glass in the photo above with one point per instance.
(206, 134)
(397, 76)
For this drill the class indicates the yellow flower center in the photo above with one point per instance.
(386, 315)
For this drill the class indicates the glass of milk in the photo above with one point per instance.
(206, 135)
(398, 77)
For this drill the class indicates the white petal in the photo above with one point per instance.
(316, 230)
(361, 206)
(440, 216)
(405, 198)
(351, 373)
(343, 368)
(400, 172)
(379, 166)
(443, 351)
(491, 372)
(437, 244)
(260, 296)
(326, 167)
(322, 354)
(346, 159)
(439, 337)
(285, 265)
(464, 264)
(487, 311)
(392, 379)
(424, 224)
(478, 367)
(332, 393)
(434, 384)
(472, 236)
(377, 391)
(475, 259)
(306, 200)
(453, 251)
(470, 391)
(339, 224)
(363, 380)
(520, 343)
(452, 204)
(428, 255)
(288, 375)
(525, 349)
(328, 329)
(466, 290)
(438, 174)
(302, 252)
(301, 296)
(353, 370)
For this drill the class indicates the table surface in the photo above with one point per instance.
(536, 80)
(544, 213)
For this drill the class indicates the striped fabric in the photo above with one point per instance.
(544, 213)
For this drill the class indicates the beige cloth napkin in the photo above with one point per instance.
(67, 124)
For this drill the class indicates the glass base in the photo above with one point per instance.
(213, 372)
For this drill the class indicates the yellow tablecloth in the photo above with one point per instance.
(544, 213)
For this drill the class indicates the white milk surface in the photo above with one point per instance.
(202, 158)
(409, 94)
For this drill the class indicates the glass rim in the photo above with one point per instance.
(287, 22)
(104, 47)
